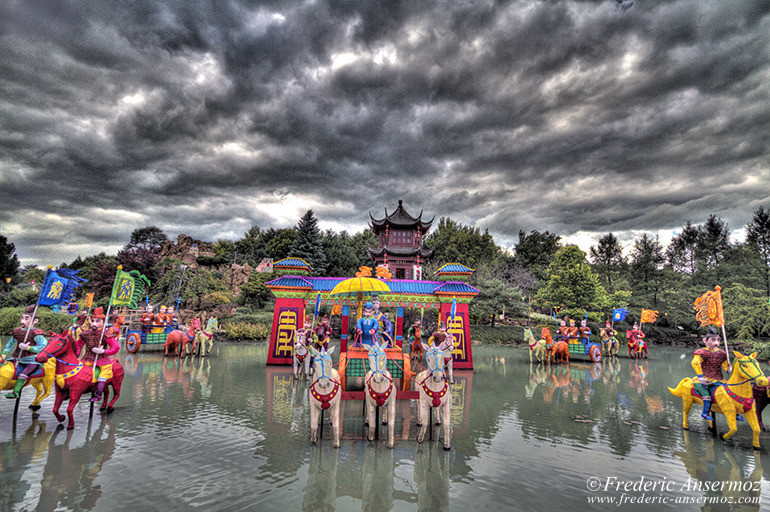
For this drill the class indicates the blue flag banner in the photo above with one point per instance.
(317, 309)
(59, 287)
(453, 309)
(619, 314)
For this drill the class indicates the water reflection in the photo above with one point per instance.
(16, 456)
(238, 434)
(69, 473)
(722, 476)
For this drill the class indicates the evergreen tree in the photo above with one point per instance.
(682, 252)
(149, 238)
(535, 251)
(9, 263)
(608, 257)
(572, 283)
(646, 270)
(454, 243)
(308, 244)
(758, 237)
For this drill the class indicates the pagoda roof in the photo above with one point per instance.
(400, 251)
(400, 217)
(292, 263)
(455, 287)
(453, 269)
(397, 286)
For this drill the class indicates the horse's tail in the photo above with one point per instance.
(680, 388)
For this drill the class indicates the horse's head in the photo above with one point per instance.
(748, 368)
(434, 357)
(377, 362)
(322, 363)
(299, 344)
(212, 323)
(528, 336)
(196, 324)
(57, 345)
(545, 333)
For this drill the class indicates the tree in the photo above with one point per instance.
(646, 264)
(308, 244)
(254, 292)
(714, 241)
(141, 259)
(572, 283)
(682, 252)
(454, 243)
(9, 263)
(496, 296)
(535, 251)
(150, 238)
(758, 237)
(607, 256)
(340, 254)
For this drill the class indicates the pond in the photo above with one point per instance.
(228, 433)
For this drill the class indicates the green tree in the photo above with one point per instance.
(452, 242)
(308, 244)
(254, 292)
(758, 237)
(607, 257)
(191, 285)
(572, 283)
(9, 263)
(535, 250)
(646, 270)
(496, 297)
(150, 238)
(682, 252)
(340, 254)
(714, 241)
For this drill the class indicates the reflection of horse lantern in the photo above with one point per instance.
(735, 397)
(431, 473)
(321, 488)
(69, 473)
(726, 481)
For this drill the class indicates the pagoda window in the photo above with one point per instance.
(401, 237)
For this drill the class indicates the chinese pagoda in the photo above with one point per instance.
(400, 239)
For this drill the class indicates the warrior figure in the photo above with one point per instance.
(585, 331)
(323, 332)
(708, 363)
(147, 318)
(367, 327)
(23, 348)
(99, 346)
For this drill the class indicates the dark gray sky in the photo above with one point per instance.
(206, 118)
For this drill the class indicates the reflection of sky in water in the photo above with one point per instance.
(228, 433)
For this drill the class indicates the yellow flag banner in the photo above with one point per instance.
(708, 308)
(648, 316)
(89, 299)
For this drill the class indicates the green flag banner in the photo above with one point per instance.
(128, 289)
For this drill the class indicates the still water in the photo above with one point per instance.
(229, 433)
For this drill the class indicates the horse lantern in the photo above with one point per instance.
(380, 392)
(325, 393)
(435, 392)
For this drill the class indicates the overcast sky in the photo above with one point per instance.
(207, 118)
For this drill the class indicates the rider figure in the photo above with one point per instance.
(98, 349)
(572, 331)
(367, 327)
(585, 331)
(323, 333)
(24, 352)
(147, 318)
(634, 336)
(562, 331)
(708, 364)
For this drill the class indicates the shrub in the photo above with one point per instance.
(246, 330)
(49, 321)
(19, 296)
(497, 335)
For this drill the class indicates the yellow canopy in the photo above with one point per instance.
(360, 286)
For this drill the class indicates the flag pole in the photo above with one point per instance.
(724, 336)
(37, 303)
(106, 319)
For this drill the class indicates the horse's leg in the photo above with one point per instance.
(336, 423)
(117, 383)
(422, 414)
(75, 393)
(294, 367)
(370, 405)
(686, 406)
(59, 398)
(314, 414)
(446, 413)
(38, 385)
(106, 396)
(392, 417)
(751, 417)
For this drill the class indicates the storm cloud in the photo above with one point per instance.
(206, 118)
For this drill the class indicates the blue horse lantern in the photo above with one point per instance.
(434, 389)
(380, 392)
(325, 393)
